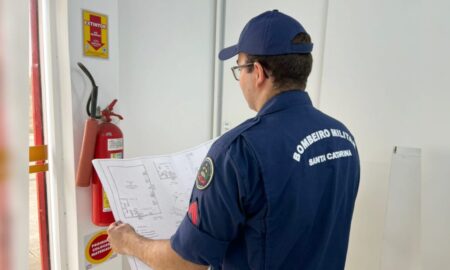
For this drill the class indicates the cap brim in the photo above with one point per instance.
(228, 52)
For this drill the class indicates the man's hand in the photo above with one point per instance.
(158, 254)
(122, 237)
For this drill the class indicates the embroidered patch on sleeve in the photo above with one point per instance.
(193, 213)
(205, 174)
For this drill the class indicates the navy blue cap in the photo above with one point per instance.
(270, 33)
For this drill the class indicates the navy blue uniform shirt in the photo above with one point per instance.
(276, 192)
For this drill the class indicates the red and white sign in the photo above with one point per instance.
(98, 249)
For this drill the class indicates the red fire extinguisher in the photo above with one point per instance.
(109, 144)
(102, 139)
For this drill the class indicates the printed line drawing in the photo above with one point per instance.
(151, 193)
(165, 170)
(192, 162)
(133, 186)
(181, 202)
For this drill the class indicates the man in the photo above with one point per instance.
(276, 192)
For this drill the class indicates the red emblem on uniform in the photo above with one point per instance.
(193, 213)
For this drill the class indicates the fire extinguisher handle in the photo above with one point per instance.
(111, 106)
(108, 112)
(117, 115)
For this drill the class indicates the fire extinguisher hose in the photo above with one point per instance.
(91, 105)
(84, 169)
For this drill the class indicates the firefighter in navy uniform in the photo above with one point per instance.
(276, 192)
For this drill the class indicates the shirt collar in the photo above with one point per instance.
(285, 100)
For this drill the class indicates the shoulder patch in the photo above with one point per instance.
(205, 174)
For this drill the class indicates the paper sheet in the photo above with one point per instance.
(401, 236)
(151, 193)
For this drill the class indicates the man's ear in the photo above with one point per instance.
(259, 73)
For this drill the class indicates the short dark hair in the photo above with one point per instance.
(289, 71)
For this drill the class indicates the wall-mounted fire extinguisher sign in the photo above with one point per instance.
(101, 139)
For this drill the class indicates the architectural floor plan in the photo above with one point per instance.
(151, 193)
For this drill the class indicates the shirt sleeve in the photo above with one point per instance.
(218, 212)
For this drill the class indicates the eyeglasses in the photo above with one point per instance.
(237, 70)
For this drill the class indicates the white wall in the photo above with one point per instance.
(106, 75)
(311, 14)
(433, 132)
(380, 65)
(383, 75)
(166, 74)
(165, 84)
